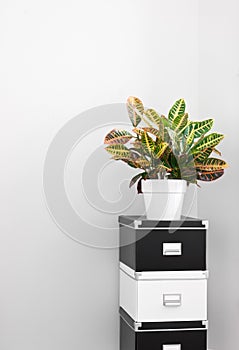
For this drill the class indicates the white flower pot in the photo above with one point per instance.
(164, 198)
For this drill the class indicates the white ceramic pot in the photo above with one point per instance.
(164, 198)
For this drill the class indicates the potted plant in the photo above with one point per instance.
(171, 153)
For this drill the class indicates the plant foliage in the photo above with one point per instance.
(173, 147)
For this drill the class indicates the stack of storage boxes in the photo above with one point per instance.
(163, 284)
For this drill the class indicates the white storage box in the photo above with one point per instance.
(163, 296)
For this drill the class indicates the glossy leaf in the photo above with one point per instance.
(162, 128)
(202, 127)
(211, 164)
(177, 109)
(153, 116)
(208, 141)
(209, 175)
(135, 110)
(148, 142)
(166, 147)
(201, 156)
(152, 131)
(131, 159)
(138, 131)
(142, 162)
(119, 151)
(191, 135)
(117, 136)
(160, 149)
(180, 122)
(165, 121)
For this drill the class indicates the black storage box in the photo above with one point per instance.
(149, 245)
(161, 336)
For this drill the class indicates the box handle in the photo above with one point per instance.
(172, 299)
(172, 347)
(172, 248)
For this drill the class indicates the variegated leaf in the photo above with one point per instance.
(135, 110)
(131, 159)
(164, 124)
(165, 121)
(180, 122)
(118, 150)
(117, 136)
(153, 116)
(177, 109)
(138, 131)
(208, 141)
(209, 175)
(148, 142)
(160, 149)
(204, 154)
(191, 135)
(211, 164)
(202, 127)
(139, 148)
(152, 131)
(142, 162)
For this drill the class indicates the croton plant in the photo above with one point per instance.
(172, 147)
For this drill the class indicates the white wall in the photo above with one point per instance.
(57, 59)
(218, 97)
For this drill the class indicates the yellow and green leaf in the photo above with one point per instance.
(138, 131)
(135, 110)
(191, 135)
(164, 124)
(208, 141)
(211, 164)
(117, 136)
(202, 127)
(177, 109)
(152, 131)
(153, 116)
(160, 149)
(148, 142)
(180, 122)
(204, 154)
(119, 151)
(142, 162)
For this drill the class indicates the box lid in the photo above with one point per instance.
(141, 222)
